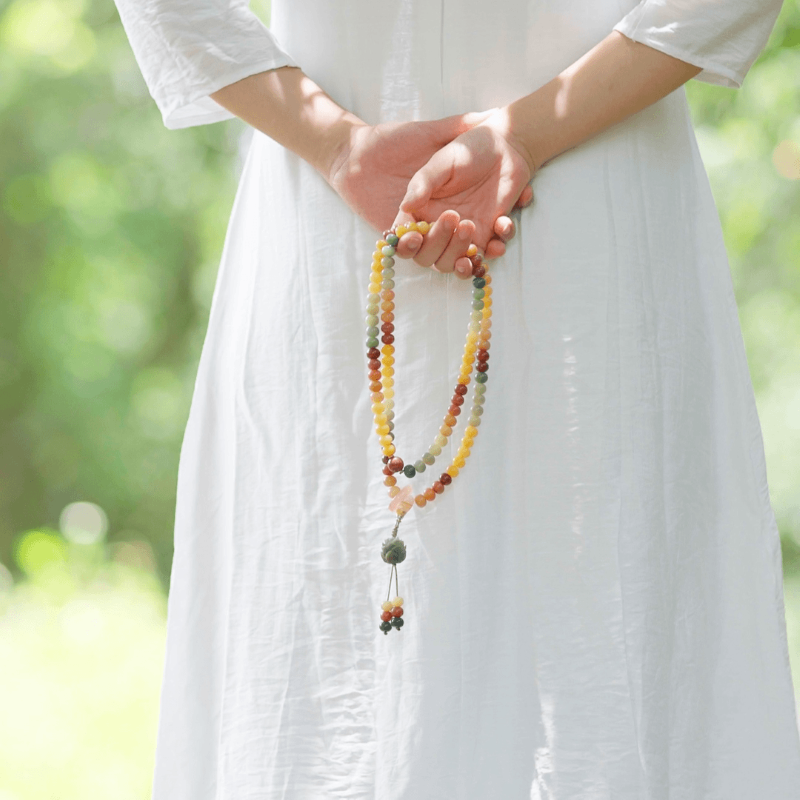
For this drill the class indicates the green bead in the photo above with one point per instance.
(439, 439)
(478, 400)
(479, 283)
(475, 326)
(388, 274)
(372, 319)
(372, 308)
(388, 251)
(477, 317)
(474, 421)
(480, 390)
(477, 305)
(392, 239)
(373, 299)
(428, 458)
(397, 622)
(387, 263)
(389, 415)
(372, 330)
(477, 410)
(409, 471)
(372, 342)
(478, 294)
(388, 284)
(419, 466)
(386, 626)
(482, 377)
(435, 450)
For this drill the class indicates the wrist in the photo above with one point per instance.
(504, 121)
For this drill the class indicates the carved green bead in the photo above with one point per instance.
(393, 550)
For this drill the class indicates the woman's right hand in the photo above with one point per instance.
(372, 171)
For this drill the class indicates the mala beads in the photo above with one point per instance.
(380, 361)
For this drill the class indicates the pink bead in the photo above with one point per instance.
(402, 498)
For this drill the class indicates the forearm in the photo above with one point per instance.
(290, 108)
(615, 79)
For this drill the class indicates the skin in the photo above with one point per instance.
(466, 172)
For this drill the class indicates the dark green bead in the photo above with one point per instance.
(397, 622)
(482, 377)
(479, 283)
(392, 239)
(409, 471)
(386, 626)
(393, 550)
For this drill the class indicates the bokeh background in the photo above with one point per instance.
(111, 228)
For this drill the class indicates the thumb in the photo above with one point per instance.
(426, 180)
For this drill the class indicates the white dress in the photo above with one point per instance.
(594, 607)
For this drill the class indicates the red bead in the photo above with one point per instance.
(385, 459)
(387, 470)
(438, 487)
(386, 616)
(461, 389)
(454, 410)
(373, 363)
(477, 258)
(387, 338)
(483, 355)
(373, 353)
(482, 366)
(387, 327)
(479, 271)
(445, 478)
(458, 400)
(397, 611)
(395, 464)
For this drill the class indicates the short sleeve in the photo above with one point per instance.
(187, 49)
(723, 37)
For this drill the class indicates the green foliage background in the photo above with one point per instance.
(111, 228)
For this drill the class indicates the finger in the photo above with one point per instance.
(409, 244)
(495, 248)
(429, 177)
(525, 198)
(457, 247)
(504, 228)
(437, 238)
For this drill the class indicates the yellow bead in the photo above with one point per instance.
(423, 227)
(412, 226)
(487, 278)
(487, 303)
(459, 461)
(388, 393)
(471, 430)
(381, 419)
(472, 251)
(394, 491)
(385, 440)
(463, 379)
(387, 372)
(471, 348)
(469, 359)
(420, 500)
(380, 244)
(487, 292)
(401, 229)
(452, 470)
(397, 601)
(378, 408)
(388, 383)
(472, 337)
(387, 606)
(389, 450)
(383, 430)
(374, 288)
(388, 361)
(387, 349)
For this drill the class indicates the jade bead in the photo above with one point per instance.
(371, 320)
(476, 315)
(372, 341)
(388, 251)
(435, 450)
(392, 239)
(478, 294)
(373, 330)
(428, 458)
(374, 299)
(482, 377)
(474, 421)
(419, 466)
(477, 410)
(477, 305)
(373, 308)
(388, 284)
(389, 415)
(474, 326)
(478, 400)
(409, 471)
(479, 283)
(387, 263)
(440, 440)
(480, 389)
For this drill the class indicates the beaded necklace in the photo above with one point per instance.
(381, 376)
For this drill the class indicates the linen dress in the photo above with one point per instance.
(594, 607)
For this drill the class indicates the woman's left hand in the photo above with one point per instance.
(482, 174)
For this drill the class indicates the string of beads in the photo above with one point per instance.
(380, 361)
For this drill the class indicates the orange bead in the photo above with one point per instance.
(429, 494)
(420, 500)
(387, 305)
(472, 251)
(450, 420)
(388, 295)
(438, 487)
(445, 430)
(390, 480)
(394, 491)
(376, 397)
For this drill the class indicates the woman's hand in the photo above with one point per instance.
(483, 174)
(372, 171)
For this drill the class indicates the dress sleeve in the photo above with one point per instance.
(724, 37)
(187, 49)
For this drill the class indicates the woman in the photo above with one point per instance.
(594, 607)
